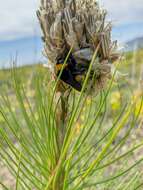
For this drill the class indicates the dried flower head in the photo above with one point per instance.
(78, 26)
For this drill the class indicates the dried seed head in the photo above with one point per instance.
(78, 26)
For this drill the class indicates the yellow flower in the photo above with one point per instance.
(115, 100)
(79, 127)
(88, 101)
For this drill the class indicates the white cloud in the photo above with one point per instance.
(18, 18)
(124, 11)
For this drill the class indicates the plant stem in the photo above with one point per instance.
(61, 120)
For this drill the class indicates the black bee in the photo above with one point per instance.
(71, 73)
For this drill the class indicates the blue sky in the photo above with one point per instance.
(20, 32)
(26, 50)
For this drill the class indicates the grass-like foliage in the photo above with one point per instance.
(92, 149)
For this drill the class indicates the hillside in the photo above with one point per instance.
(135, 44)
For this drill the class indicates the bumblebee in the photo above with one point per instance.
(71, 74)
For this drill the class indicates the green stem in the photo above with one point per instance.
(61, 119)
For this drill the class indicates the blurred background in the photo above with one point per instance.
(20, 32)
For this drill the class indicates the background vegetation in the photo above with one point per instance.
(104, 138)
